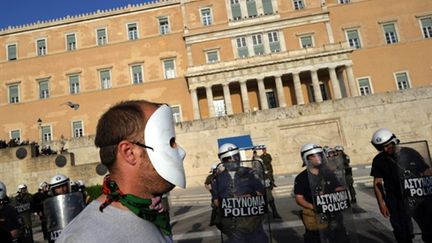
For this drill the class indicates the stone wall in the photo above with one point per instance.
(349, 122)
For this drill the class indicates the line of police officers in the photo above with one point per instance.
(324, 190)
(47, 203)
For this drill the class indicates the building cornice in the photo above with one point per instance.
(229, 32)
(84, 17)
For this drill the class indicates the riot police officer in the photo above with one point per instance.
(339, 151)
(62, 207)
(22, 202)
(37, 205)
(394, 166)
(9, 225)
(324, 220)
(236, 181)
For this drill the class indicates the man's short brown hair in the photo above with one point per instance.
(123, 121)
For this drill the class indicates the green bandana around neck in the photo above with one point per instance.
(138, 206)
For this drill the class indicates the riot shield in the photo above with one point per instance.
(60, 210)
(238, 191)
(334, 221)
(22, 203)
(416, 187)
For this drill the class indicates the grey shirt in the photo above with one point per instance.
(111, 225)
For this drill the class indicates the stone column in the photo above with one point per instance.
(316, 86)
(195, 104)
(209, 94)
(244, 96)
(262, 94)
(297, 88)
(280, 91)
(335, 83)
(351, 81)
(227, 98)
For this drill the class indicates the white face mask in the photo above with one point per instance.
(167, 161)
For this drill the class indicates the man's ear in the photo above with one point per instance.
(126, 152)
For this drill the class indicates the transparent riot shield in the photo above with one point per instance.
(22, 203)
(334, 221)
(415, 184)
(238, 190)
(60, 210)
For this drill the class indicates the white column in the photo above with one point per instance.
(195, 104)
(262, 94)
(351, 81)
(335, 83)
(298, 90)
(227, 98)
(280, 91)
(244, 96)
(316, 86)
(210, 104)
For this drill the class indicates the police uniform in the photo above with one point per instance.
(230, 184)
(308, 185)
(407, 162)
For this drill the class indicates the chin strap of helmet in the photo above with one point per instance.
(138, 206)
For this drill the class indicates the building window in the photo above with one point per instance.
(71, 42)
(364, 86)
(176, 111)
(258, 44)
(206, 16)
(306, 41)
(101, 37)
(212, 56)
(46, 133)
(271, 99)
(77, 128)
(402, 80)
(137, 74)
(12, 52)
(15, 135)
(251, 8)
(274, 41)
(353, 38)
(298, 4)
(242, 47)
(267, 6)
(164, 25)
(41, 47)
(105, 79)
(390, 33)
(132, 31)
(219, 107)
(169, 68)
(235, 9)
(426, 24)
(74, 86)
(43, 89)
(344, 1)
(14, 93)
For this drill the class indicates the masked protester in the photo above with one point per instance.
(9, 225)
(395, 169)
(324, 220)
(234, 182)
(137, 143)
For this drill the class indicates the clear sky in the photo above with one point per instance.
(18, 12)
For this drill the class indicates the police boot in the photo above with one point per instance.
(274, 210)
